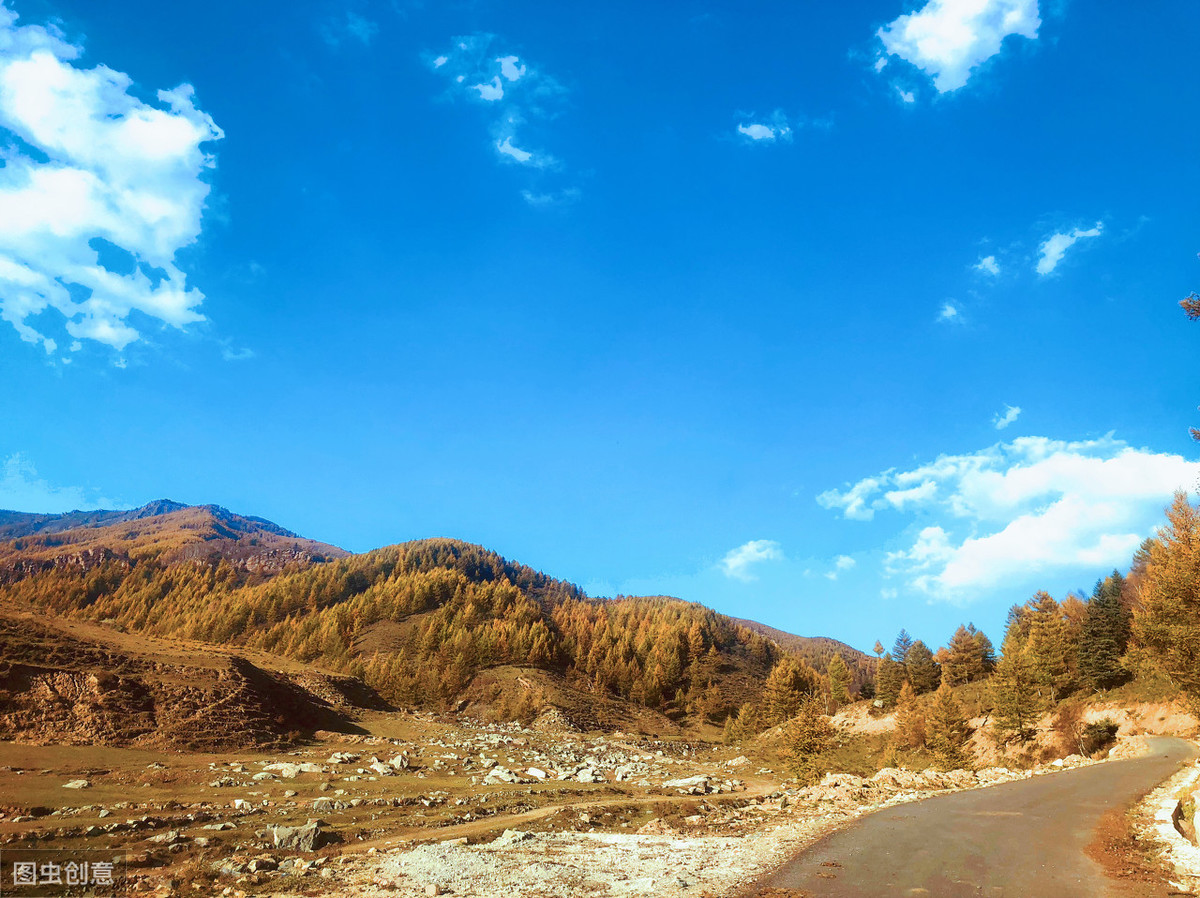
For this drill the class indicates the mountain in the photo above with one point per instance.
(167, 530)
(418, 622)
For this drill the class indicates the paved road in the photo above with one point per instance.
(1024, 839)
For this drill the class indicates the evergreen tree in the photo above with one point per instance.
(1168, 622)
(839, 680)
(889, 678)
(1015, 691)
(923, 670)
(910, 719)
(985, 651)
(1104, 635)
(946, 729)
(901, 646)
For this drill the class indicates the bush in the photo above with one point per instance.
(1099, 735)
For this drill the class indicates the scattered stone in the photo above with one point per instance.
(77, 784)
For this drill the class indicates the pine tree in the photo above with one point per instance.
(1167, 624)
(910, 719)
(839, 680)
(1104, 635)
(889, 678)
(901, 646)
(1015, 691)
(946, 729)
(923, 671)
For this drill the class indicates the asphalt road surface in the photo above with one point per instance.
(1023, 839)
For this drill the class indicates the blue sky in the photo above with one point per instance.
(841, 319)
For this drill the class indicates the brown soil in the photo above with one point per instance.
(77, 689)
(1134, 871)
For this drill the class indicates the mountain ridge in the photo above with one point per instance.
(417, 621)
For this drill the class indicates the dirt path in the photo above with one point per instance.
(500, 822)
(1027, 838)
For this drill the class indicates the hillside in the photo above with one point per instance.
(818, 650)
(417, 621)
(72, 683)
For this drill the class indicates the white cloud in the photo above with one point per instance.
(94, 212)
(988, 265)
(440, 61)
(1011, 413)
(737, 562)
(757, 132)
(491, 91)
(509, 68)
(853, 502)
(844, 562)
(1025, 507)
(506, 148)
(775, 127)
(949, 312)
(906, 95)
(21, 489)
(948, 39)
(1054, 247)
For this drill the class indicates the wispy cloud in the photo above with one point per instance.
(949, 39)
(988, 265)
(949, 312)
(1054, 247)
(348, 27)
(1028, 506)
(1009, 415)
(738, 562)
(21, 489)
(519, 97)
(97, 197)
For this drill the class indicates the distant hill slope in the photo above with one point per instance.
(164, 529)
(818, 650)
(417, 621)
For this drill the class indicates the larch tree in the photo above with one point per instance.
(1015, 691)
(788, 685)
(1167, 624)
(807, 738)
(910, 719)
(967, 656)
(839, 680)
(946, 730)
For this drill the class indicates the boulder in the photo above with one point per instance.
(77, 784)
(308, 837)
